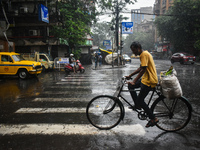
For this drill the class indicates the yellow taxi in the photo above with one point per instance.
(12, 63)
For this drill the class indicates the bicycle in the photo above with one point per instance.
(105, 111)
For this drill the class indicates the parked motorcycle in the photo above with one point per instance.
(68, 68)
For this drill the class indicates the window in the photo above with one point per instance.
(43, 58)
(17, 57)
(6, 58)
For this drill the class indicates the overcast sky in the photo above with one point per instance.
(137, 5)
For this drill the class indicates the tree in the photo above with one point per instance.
(75, 18)
(115, 6)
(181, 25)
(101, 31)
(145, 39)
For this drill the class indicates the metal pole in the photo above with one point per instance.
(121, 44)
(47, 34)
(112, 51)
(117, 31)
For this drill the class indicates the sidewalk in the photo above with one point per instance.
(109, 67)
(197, 63)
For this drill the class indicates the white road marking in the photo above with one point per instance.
(62, 99)
(68, 129)
(57, 110)
(51, 110)
(81, 87)
(92, 91)
(85, 83)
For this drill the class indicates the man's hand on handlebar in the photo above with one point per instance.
(128, 77)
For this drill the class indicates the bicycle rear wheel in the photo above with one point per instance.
(173, 114)
(104, 112)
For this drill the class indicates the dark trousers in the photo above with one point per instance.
(139, 99)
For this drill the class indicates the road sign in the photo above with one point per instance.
(43, 13)
(106, 43)
(127, 27)
(63, 61)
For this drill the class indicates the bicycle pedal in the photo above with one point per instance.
(142, 115)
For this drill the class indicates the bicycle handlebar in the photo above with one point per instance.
(124, 81)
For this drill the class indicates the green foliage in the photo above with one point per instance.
(182, 25)
(145, 39)
(197, 45)
(74, 22)
(101, 31)
(77, 53)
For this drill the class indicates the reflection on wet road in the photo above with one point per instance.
(49, 112)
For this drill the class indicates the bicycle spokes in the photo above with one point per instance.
(173, 114)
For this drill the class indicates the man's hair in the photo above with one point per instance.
(136, 45)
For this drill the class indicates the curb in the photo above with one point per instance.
(197, 63)
(110, 67)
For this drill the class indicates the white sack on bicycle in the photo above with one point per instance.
(171, 87)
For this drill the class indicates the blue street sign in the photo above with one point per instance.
(127, 27)
(106, 43)
(43, 13)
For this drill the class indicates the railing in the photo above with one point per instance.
(60, 62)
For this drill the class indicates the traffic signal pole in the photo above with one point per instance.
(117, 31)
(121, 45)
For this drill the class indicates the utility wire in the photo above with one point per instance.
(106, 13)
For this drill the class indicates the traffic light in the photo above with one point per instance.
(121, 44)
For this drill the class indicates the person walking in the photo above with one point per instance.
(146, 79)
(100, 60)
(96, 59)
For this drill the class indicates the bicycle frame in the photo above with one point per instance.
(118, 95)
(120, 89)
(173, 114)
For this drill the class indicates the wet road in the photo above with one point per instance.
(48, 113)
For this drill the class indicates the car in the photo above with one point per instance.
(183, 58)
(12, 63)
(126, 58)
(133, 56)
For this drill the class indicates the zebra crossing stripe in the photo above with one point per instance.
(56, 110)
(93, 91)
(86, 79)
(81, 87)
(51, 110)
(62, 99)
(68, 129)
(96, 83)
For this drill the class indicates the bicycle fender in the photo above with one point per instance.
(121, 106)
(188, 102)
(157, 99)
(118, 101)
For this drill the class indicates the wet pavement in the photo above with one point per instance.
(48, 112)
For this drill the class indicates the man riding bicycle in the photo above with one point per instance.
(147, 72)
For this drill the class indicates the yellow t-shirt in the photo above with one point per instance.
(150, 76)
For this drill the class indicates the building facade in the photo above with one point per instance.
(140, 17)
(22, 31)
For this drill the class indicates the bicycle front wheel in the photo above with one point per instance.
(173, 114)
(104, 112)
